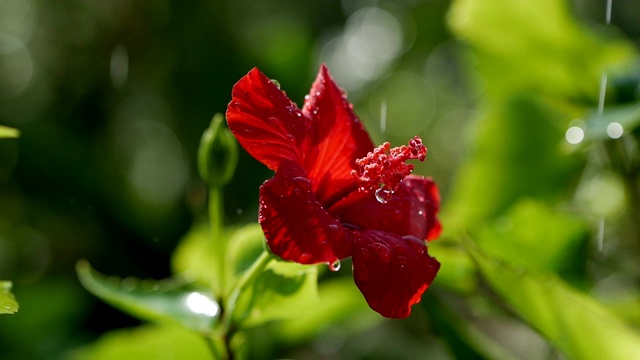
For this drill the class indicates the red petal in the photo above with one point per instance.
(266, 123)
(411, 210)
(392, 271)
(337, 140)
(296, 225)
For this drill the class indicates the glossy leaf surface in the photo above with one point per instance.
(165, 301)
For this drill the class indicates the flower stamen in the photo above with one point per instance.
(384, 168)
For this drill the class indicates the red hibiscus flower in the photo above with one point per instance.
(334, 195)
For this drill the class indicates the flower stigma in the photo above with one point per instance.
(384, 168)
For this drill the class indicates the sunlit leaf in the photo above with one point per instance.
(459, 271)
(534, 72)
(165, 301)
(340, 304)
(533, 236)
(146, 342)
(284, 290)
(517, 155)
(551, 53)
(244, 246)
(197, 258)
(7, 132)
(8, 303)
(577, 325)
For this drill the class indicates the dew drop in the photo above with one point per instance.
(383, 252)
(276, 83)
(383, 194)
(305, 258)
(302, 183)
(333, 227)
(416, 243)
(272, 120)
(291, 138)
(335, 266)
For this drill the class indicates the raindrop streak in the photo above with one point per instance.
(383, 117)
(335, 266)
(601, 235)
(603, 88)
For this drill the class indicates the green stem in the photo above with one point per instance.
(247, 279)
(216, 226)
(213, 347)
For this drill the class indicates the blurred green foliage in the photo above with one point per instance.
(541, 245)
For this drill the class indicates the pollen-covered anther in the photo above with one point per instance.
(385, 167)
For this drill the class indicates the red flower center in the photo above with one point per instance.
(383, 169)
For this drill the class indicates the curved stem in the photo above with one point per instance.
(216, 226)
(247, 278)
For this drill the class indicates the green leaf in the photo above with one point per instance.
(284, 290)
(196, 256)
(533, 236)
(551, 54)
(340, 304)
(146, 342)
(535, 73)
(169, 301)
(244, 246)
(7, 132)
(8, 303)
(517, 154)
(458, 271)
(577, 325)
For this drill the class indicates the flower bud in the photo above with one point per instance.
(217, 154)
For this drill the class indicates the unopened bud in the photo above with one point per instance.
(218, 153)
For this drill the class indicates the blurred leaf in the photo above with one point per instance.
(458, 271)
(8, 303)
(628, 116)
(463, 337)
(551, 54)
(196, 256)
(532, 71)
(165, 301)
(576, 324)
(533, 236)
(146, 342)
(284, 290)
(517, 154)
(7, 132)
(244, 246)
(340, 303)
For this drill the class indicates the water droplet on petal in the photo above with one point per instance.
(335, 266)
(383, 194)
(304, 258)
(416, 243)
(383, 252)
(333, 227)
(276, 83)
